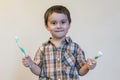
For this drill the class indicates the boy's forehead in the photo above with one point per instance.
(57, 16)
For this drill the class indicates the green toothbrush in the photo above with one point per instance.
(19, 46)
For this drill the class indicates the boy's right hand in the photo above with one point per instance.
(91, 63)
(27, 61)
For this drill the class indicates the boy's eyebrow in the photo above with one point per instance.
(60, 20)
(65, 19)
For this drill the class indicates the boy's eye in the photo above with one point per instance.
(53, 22)
(63, 22)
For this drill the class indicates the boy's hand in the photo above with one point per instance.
(27, 61)
(91, 63)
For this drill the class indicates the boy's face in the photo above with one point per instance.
(58, 25)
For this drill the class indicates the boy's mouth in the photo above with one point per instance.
(59, 31)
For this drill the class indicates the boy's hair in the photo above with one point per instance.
(57, 9)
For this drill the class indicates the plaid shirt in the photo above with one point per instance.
(61, 63)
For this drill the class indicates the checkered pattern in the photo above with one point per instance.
(60, 63)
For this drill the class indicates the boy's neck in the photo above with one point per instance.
(56, 41)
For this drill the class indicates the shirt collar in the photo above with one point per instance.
(66, 40)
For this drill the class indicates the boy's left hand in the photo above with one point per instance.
(91, 63)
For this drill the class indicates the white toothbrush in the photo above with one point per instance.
(99, 55)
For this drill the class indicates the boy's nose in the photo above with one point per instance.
(58, 25)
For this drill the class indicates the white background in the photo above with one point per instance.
(95, 26)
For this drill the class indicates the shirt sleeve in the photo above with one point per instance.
(81, 60)
(38, 56)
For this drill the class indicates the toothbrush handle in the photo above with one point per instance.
(22, 50)
(96, 57)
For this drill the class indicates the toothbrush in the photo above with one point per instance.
(19, 46)
(99, 55)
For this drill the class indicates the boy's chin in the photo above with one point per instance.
(59, 37)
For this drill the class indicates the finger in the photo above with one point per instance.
(89, 61)
(94, 62)
(26, 55)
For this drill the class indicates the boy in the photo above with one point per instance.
(59, 58)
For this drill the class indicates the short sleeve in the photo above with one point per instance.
(81, 60)
(82, 57)
(38, 56)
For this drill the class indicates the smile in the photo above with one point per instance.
(59, 31)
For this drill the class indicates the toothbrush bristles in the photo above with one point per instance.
(100, 53)
(17, 39)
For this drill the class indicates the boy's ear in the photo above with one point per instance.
(46, 26)
(69, 25)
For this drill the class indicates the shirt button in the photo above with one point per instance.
(58, 69)
(58, 59)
